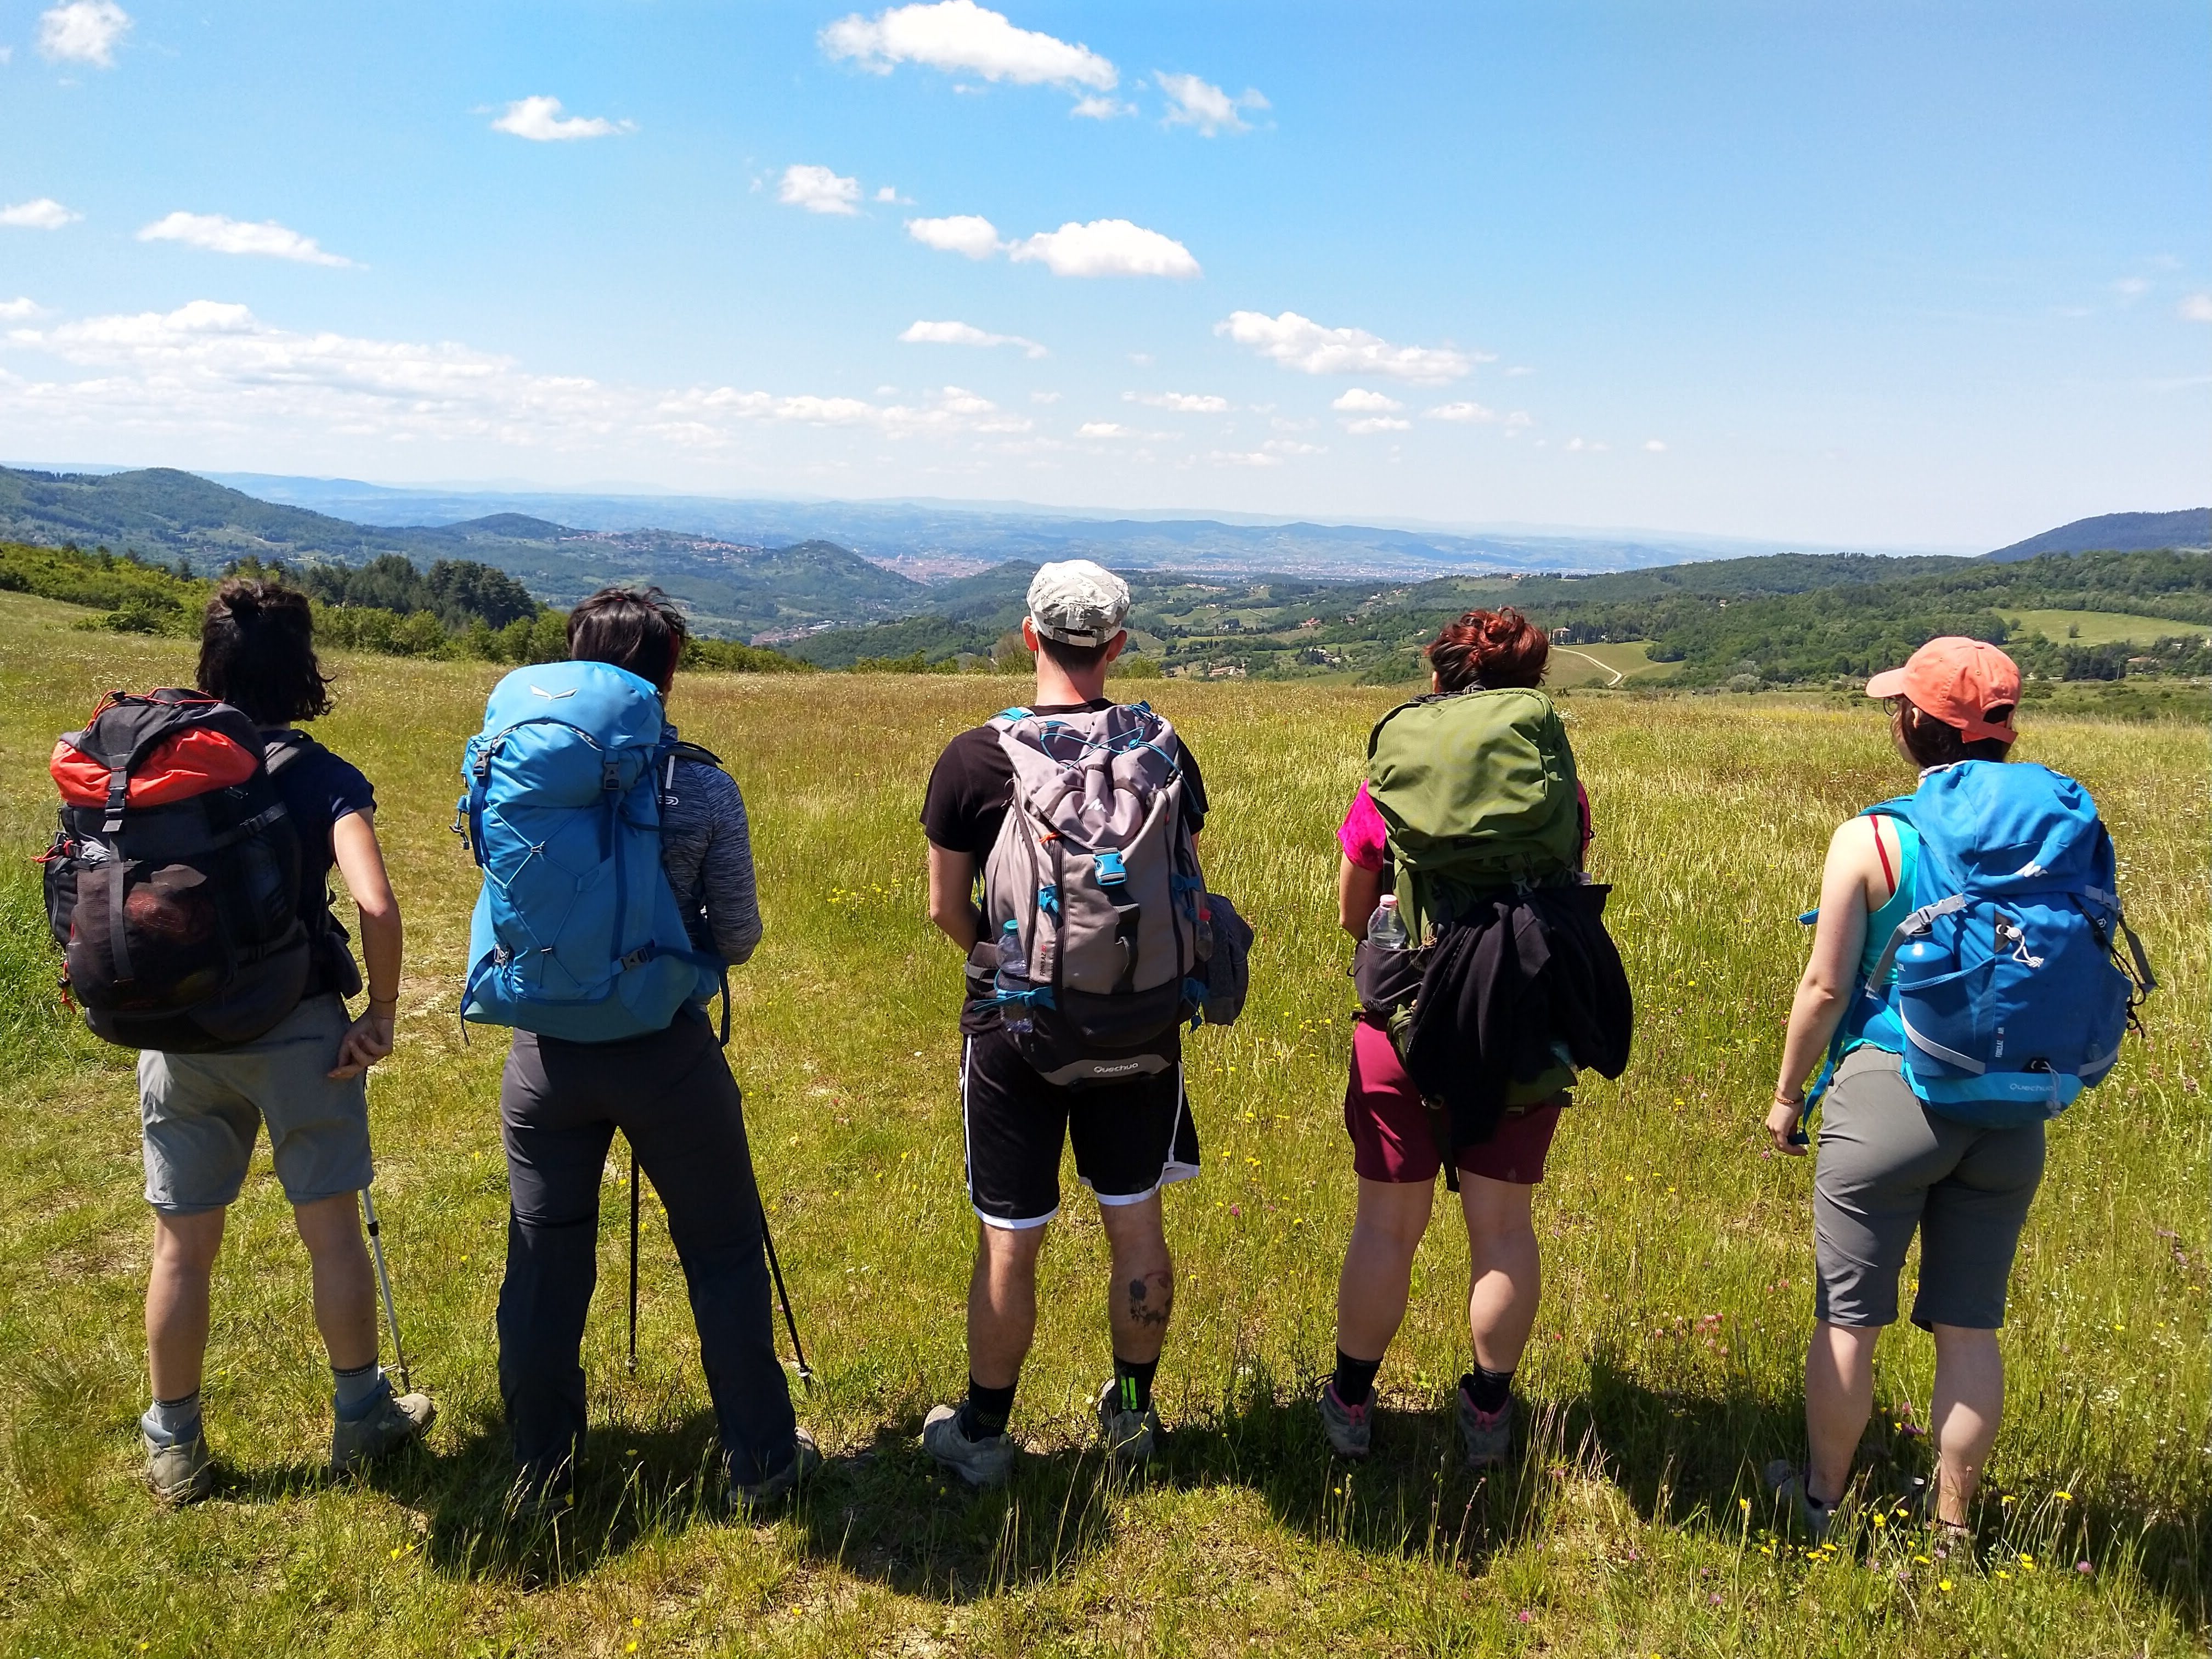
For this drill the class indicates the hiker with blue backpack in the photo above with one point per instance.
(1971, 974)
(188, 887)
(617, 891)
(1094, 943)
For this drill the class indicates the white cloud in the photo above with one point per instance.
(1360, 401)
(1655, 446)
(1466, 413)
(218, 234)
(2130, 288)
(1292, 446)
(15, 311)
(890, 193)
(2197, 307)
(539, 120)
(962, 38)
(1243, 457)
(1106, 429)
(1378, 424)
(964, 233)
(1517, 370)
(211, 370)
(1301, 343)
(1592, 445)
(817, 190)
(1045, 397)
(84, 32)
(1183, 402)
(1196, 103)
(40, 213)
(1099, 108)
(1107, 248)
(966, 334)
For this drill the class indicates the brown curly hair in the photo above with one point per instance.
(1493, 649)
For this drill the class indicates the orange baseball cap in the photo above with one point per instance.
(1960, 682)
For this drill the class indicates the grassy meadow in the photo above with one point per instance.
(1664, 1373)
(2099, 626)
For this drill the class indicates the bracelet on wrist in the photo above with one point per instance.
(1781, 1099)
(376, 1002)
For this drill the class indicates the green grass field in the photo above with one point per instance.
(1664, 1371)
(1608, 665)
(2100, 627)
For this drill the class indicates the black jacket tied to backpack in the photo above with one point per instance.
(1511, 974)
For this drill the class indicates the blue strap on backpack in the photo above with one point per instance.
(2011, 991)
(576, 934)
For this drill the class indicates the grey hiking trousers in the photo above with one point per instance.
(671, 1095)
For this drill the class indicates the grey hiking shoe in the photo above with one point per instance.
(805, 1458)
(1129, 1436)
(1785, 1482)
(1489, 1435)
(390, 1424)
(1350, 1429)
(182, 1472)
(985, 1462)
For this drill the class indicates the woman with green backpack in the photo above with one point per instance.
(1965, 984)
(1486, 979)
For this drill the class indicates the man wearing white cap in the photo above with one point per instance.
(1133, 1135)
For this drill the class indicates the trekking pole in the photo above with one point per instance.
(634, 1201)
(775, 1267)
(384, 1284)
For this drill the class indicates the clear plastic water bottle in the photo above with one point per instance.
(1013, 976)
(1386, 928)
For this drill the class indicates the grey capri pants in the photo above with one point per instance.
(1888, 1165)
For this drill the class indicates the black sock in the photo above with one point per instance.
(1133, 1383)
(1355, 1378)
(986, 1411)
(1490, 1390)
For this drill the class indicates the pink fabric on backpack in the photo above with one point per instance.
(1365, 838)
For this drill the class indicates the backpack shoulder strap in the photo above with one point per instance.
(285, 748)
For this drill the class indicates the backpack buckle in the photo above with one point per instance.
(1110, 871)
(609, 776)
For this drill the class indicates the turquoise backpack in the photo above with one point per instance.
(577, 933)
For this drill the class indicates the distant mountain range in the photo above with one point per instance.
(2117, 532)
(780, 570)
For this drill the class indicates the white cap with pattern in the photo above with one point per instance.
(1077, 603)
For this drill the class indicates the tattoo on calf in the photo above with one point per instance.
(1151, 1296)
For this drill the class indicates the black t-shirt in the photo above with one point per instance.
(973, 785)
(319, 788)
(970, 792)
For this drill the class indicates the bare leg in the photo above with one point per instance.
(1506, 1276)
(345, 1285)
(1968, 1405)
(1838, 1400)
(1002, 1302)
(1142, 1295)
(1378, 1264)
(184, 1249)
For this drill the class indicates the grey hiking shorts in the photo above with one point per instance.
(200, 1114)
(1887, 1165)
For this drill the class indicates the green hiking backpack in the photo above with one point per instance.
(1477, 791)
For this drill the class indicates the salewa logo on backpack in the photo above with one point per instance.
(576, 934)
(1092, 895)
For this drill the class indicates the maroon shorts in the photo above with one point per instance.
(1391, 1136)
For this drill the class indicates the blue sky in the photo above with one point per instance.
(1910, 274)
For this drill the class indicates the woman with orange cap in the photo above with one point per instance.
(1888, 1165)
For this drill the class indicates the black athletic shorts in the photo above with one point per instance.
(1131, 1138)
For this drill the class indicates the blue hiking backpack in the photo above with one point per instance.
(2011, 989)
(577, 933)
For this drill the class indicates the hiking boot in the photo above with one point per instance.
(389, 1423)
(181, 1472)
(985, 1462)
(805, 1458)
(1489, 1435)
(1128, 1434)
(1786, 1482)
(1350, 1429)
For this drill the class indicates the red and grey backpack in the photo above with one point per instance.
(173, 885)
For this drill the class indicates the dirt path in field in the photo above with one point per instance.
(1617, 675)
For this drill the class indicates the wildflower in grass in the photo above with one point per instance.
(1943, 1584)
(2083, 1566)
(2063, 1497)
